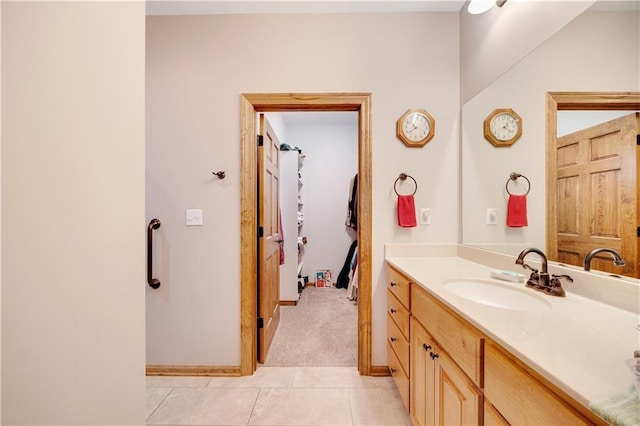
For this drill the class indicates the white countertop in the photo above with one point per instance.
(578, 344)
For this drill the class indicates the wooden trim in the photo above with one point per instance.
(551, 162)
(625, 101)
(250, 104)
(380, 371)
(248, 238)
(288, 302)
(581, 101)
(365, 224)
(193, 370)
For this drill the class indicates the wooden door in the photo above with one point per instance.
(268, 237)
(422, 398)
(458, 400)
(596, 194)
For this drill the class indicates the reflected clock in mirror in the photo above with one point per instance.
(503, 127)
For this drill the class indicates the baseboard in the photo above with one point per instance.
(380, 371)
(193, 370)
(288, 302)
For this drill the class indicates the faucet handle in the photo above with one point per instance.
(555, 285)
(534, 278)
(559, 277)
(533, 270)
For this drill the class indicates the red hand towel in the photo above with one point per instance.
(406, 211)
(517, 211)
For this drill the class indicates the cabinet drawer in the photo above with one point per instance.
(399, 376)
(398, 284)
(521, 398)
(398, 342)
(399, 313)
(463, 344)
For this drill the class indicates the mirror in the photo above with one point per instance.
(597, 51)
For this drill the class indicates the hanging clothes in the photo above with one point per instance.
(352, 210)
(343, 276)
(280, 237)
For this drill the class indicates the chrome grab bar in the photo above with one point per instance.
(153, 282)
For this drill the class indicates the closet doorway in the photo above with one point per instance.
(250, 105)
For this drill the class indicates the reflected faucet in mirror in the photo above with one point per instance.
(617, 259)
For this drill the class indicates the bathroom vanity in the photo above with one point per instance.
(502, 355)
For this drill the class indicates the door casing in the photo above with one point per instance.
(250, 105)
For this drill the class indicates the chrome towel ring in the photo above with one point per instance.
(513, 177)
(403, 177)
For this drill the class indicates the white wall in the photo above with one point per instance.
(198, 66)
(494, 41)
(73, 213)
(331, 161)
(581, 57)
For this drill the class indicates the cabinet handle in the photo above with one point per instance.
(426, 347)
(393, 339)
(392, 370)
(393, 311)
(433, 355)
(393, 284)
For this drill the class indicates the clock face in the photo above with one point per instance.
(504, 126)
(416, 127)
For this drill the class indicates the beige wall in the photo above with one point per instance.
(494, 41)
(73, 213)
(197, 67)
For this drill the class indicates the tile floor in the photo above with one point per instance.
(276, 396)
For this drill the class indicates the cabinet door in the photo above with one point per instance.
(422, 379)
(457, 397)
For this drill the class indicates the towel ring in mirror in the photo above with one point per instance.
(403, 177)
(513, 177)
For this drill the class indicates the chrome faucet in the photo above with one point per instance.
(617, 259)
(536, 280)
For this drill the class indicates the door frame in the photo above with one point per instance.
(250, 105)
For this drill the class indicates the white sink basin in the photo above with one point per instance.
(496, 294)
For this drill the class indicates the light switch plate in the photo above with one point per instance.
(193, 217)
(425, 216)
(492, 216)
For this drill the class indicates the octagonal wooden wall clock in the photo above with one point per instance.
(415, 127)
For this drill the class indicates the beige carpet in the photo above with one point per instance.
(320, 331)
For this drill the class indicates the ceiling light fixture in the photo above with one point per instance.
(480, 6)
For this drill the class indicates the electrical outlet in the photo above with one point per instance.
(425, 216)
(492, 216)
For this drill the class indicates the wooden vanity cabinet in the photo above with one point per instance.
(441, 394)
(521, 398)
(398, 313)
(450, 373)
(445, 366)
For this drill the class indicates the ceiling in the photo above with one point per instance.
(208, 7)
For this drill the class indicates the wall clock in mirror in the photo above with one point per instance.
(503, 127)
(415, 127)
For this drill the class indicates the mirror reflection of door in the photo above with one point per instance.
(268, 239)
(596, 193)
